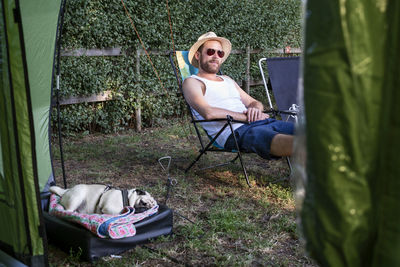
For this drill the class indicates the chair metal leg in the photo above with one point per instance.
(233, 161)
(222, 164)
(290, 165)
(238, 149)
(213, 166)
(244, 169)
(194, 161)
(217, 165)
(204, 150)
(287, 178)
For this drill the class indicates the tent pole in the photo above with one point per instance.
(58, 91)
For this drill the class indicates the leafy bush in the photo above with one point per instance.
(264, 24)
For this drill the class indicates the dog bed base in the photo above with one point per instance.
(70, 237)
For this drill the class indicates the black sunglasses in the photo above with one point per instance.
(211, 52)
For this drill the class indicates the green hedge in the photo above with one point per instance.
(264, 24)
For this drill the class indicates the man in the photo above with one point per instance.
(215, 96)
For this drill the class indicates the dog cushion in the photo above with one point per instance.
(102, 225)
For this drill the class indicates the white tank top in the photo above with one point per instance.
(220, 94)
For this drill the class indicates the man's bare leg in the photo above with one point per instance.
(282, 145)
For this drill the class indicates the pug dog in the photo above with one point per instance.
(99, 199)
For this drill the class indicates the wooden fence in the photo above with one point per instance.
(107, 95)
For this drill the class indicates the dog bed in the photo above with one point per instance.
(70, 236)
(102, 225)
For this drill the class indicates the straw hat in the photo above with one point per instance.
(209, 36)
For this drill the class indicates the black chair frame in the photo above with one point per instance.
(209, 147)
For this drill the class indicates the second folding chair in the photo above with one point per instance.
(283, 73)
(282, 84)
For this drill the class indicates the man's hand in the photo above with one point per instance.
(254, 114)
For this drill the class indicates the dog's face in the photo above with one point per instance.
(141, 200)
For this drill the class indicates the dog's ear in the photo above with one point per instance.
(140, 192)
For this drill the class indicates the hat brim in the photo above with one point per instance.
(226, 47)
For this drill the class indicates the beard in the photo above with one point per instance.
(208, 67)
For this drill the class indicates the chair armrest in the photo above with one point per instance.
(277, 112)
(232, 120)
(288, 112)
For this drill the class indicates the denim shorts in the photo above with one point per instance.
(257, 136)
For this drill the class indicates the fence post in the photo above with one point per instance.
(138, 110)
(248, 69)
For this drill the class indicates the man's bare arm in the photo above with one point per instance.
(193, 91)
(254, 107)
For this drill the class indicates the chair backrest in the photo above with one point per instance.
(283, 77)
(182, 70)
(185, 68)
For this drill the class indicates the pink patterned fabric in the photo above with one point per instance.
(102, 225)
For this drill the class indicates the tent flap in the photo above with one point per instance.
(26, 62)
(351, 66)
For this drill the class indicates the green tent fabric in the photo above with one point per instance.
(39, 19)
(26, 61)
(349, 213)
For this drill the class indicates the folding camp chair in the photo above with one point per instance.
(186, 69)
(283, 75)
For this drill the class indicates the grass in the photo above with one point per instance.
(233, 224)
